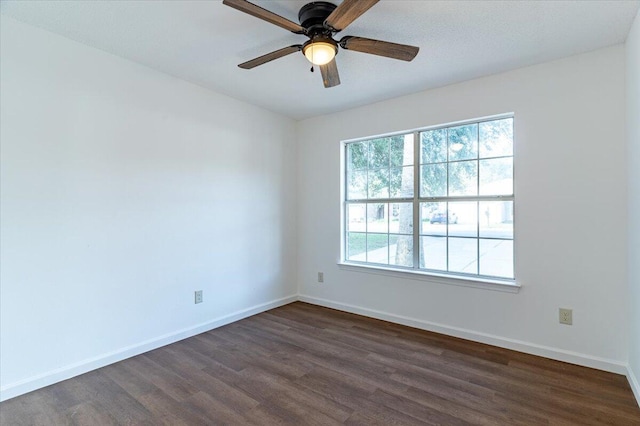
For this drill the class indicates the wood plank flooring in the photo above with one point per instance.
(307, 365)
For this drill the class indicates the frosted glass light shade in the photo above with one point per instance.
(320, 52)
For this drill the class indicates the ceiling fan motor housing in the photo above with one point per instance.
(313, 15)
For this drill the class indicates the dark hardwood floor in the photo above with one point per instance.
(307, 365)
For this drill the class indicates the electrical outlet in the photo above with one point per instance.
(566, 316)
(320, 277)
(198, 295)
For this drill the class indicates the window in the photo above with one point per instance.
(454, 182)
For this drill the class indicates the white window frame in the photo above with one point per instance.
(415, 273)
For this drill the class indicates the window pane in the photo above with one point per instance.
(402, 150)
(463, 142)
(463, 255)
(496, 176)
(356, 218)
(377, 218)
(379, 183)
(357, 185)
(402, 182)
(463, 178)
(433, 145)
(433, 218)
(496, 138)
(463, 219)
(434, 253)
(379, 153)
(356, 246)
(434, 180)
(357, 156)
(401, 250)
(496, 219)
(496, 258)
(378, 248)
(401, 218)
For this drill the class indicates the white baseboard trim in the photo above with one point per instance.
(516, 345)
(36, 382)
(635, 384)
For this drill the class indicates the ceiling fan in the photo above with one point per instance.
(319, 21)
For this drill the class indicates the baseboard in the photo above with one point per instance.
(516, 345)
(633, 382)
(36, 382)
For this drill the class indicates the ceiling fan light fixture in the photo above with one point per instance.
(320, 21)
(320, 52)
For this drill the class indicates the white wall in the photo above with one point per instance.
(571, 214)
(123, 191)
(633, 136)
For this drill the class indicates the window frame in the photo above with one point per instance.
(415, 272)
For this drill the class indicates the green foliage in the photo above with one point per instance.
(433, 180)
(433, 146)
(463, 178)
(463, 142)
(398, 157)
(374, 167)
(380, 158)
(357, 155)
(379, 153)
(496, 138)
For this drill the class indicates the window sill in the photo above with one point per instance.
(508, 286)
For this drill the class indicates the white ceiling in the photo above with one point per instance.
(203, 41)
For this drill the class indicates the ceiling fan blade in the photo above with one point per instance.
(270, 56)
(347, 12)
(258, 12)
(330, 76)
(403, 52)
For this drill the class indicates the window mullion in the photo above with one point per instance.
(416, 204)
(478, 202)
(446, 238)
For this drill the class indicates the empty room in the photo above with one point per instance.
(353, 212)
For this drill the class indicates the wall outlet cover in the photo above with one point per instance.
(566, 316)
